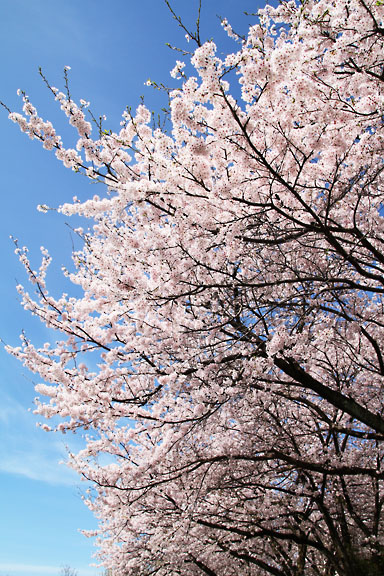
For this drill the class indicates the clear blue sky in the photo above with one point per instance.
(113, 48)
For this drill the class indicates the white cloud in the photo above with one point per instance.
(28, 568)
(44, 569)
(37, 466)
(28, 451)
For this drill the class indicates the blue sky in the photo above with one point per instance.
(113, 48)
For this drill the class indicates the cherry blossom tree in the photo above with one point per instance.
(226, 356)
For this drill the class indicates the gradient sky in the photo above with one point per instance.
(113, 48)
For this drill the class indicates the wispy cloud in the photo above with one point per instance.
(36, 466)
(29, 568)
(28, 451)
(11, 569)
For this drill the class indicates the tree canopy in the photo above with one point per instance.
(226, 354)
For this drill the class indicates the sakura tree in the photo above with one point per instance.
(226, 356)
